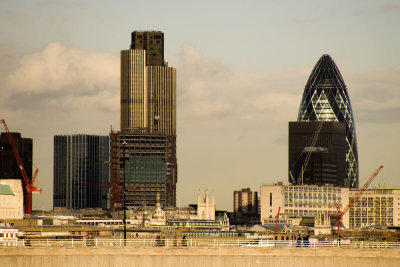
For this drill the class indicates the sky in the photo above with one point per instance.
(241, 69)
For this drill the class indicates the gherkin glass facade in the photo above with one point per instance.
(325, 98)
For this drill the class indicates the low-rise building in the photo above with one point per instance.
(11, 199)
(302, 200)
(375, 207)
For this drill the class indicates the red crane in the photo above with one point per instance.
(277, 219)
(117, 187)
(30, 188)
(356, 197)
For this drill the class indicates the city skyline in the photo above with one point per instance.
(241, 75)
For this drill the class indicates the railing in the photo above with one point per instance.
(182, 243)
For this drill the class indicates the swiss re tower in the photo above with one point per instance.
(325, 99)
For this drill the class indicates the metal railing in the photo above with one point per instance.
(182, 243)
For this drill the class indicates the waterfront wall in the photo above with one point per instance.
(230, 257)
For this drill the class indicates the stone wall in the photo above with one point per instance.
(230, 257)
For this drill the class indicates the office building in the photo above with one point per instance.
(81, 171)
(9, 168)
(150, 168)
(375, 207)
(325, 98)
(152, 43)
(245, 205)
(148, 124)
(148, 86)
(302, 200)
(317, 153)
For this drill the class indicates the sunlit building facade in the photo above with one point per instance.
(375, 207)
(325, 98)
(148, 86)
(302, 200)
(148, 123)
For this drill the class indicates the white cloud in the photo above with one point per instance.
(375, 94)
(211, 92)
(58, 68)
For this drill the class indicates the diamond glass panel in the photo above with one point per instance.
(325, 98)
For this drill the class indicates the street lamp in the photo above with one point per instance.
(124, 144)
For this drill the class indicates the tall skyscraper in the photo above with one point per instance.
(9, 168)
(148, 124)
(325, 98)
(148, 86)
(81, 171)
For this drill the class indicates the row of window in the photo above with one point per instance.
(313, 189)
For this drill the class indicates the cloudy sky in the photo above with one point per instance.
(241, 68)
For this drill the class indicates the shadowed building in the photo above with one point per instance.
(327, 156)
(245, 206)
(9, 168)
(81, 171)
(325, 98)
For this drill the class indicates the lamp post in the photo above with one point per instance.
(124, 189)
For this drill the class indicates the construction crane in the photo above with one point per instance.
(30, 188)
(356, 197)
(309, 151)
(277, 219)
(117, 187)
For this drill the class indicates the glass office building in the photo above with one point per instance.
(146, 176)
(81, 171)
(325, 98)
(149, 163)
(326, 163)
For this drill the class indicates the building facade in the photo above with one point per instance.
(245, 205)
(148, 124)
(325, 98)
(148, 162)
(152, 43)
(302, 200)
(148, 86)
(11, 199)
(323, 162)
(9, 168)
(375, 207)
(81, 171)
(206, 206)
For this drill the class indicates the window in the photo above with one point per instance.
(270, 199)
